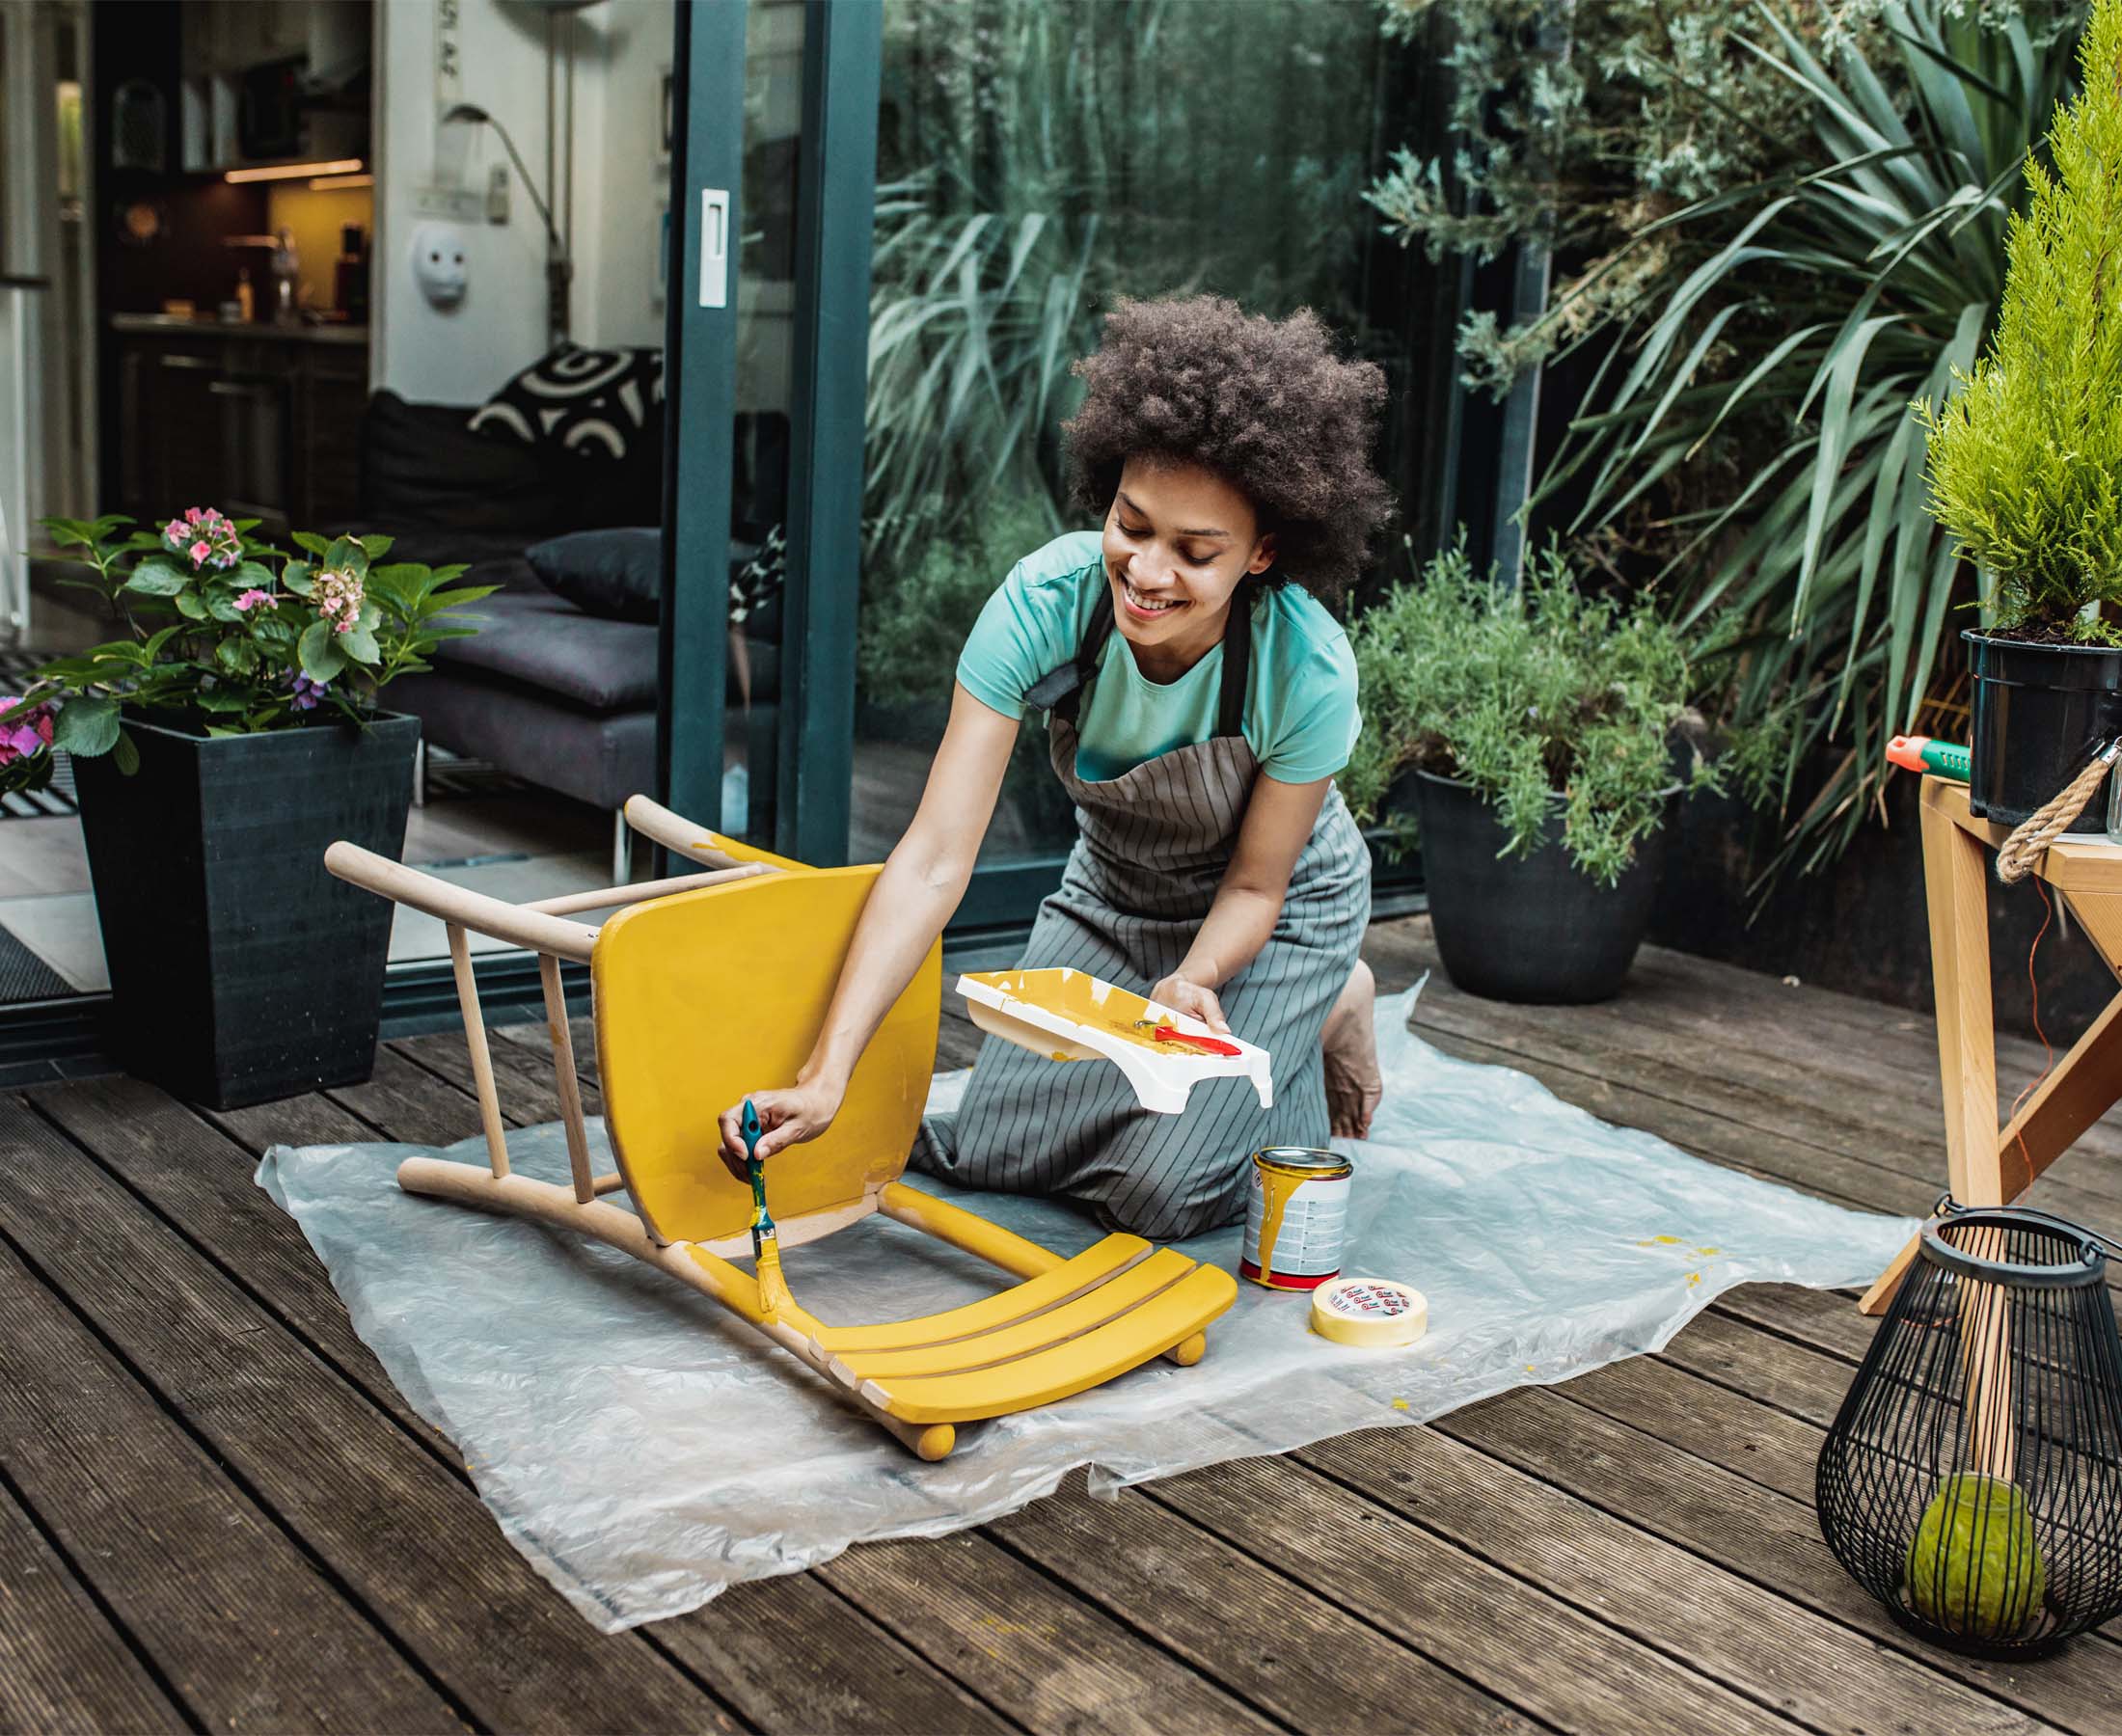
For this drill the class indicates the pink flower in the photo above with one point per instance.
(251, 599)
(205, 535)
(22, 733)
(338, 596)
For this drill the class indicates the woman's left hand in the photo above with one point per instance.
(1188, 998)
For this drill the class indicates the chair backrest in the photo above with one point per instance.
(705, 995)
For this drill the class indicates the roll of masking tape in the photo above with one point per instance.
(1370, 1310)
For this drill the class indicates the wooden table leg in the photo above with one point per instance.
(1956, 893)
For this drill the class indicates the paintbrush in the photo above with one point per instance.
(766, 1240)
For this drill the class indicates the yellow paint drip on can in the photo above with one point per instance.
(1295, 1217)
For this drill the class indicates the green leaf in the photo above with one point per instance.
(192, 606)
(321, 659)
(249, 575)
(314, 543)
(375, 547)
(345, 551)
(86, 726)
(220, 701)
(155, 576)
(125, 755)
(153, 649)
(298, 577)
(221, 603)
(360, 647)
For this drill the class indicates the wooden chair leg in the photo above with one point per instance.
(566, 1079)
(475, 1040)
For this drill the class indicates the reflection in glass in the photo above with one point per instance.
(1036, 160)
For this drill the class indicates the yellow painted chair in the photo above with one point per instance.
(714, 983)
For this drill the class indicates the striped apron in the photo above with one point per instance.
(1152, 848)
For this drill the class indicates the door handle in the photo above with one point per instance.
(714, 247)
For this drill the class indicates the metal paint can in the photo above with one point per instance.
(1295, 1217)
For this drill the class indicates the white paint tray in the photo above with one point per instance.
(1044, 1011)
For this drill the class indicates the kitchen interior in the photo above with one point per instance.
(208, 214)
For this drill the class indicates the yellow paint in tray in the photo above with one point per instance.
(1078, 997)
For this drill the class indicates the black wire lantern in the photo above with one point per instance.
(1973, 1478)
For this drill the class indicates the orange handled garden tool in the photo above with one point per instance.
(1926, 753)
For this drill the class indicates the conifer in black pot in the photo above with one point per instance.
(2026, 465)
(220, 742)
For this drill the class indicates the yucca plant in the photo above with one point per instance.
(1757, 413)
(2026, 463)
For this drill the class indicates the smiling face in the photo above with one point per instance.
(1178, 541)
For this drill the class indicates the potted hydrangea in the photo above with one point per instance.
(220, 742)
(1534, 732)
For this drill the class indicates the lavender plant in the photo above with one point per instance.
(225, 634)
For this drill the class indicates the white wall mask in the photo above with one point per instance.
(437, 264)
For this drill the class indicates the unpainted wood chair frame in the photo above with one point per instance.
(1061, 1312)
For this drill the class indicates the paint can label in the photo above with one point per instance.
(1306, 1246)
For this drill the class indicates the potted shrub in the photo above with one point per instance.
(1534, 732)
(219, 745)
(2026, 465)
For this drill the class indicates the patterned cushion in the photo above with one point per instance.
(603, 401)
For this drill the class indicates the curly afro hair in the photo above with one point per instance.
(1263, 403)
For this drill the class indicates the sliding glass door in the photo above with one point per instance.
(903, 223)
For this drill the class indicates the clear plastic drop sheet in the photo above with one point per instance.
(644, 1451)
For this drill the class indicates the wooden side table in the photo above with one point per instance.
(1984, 1166)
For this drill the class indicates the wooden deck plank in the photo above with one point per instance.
(1708, 1065)
(63, 1668)
(1769, 1539)
(792, 1654)
(1295, 1654)
(1814, 1671)
(411, 1543)
(194, 1175)
(1039, 1654)
(1654, 1516)
(200, 1180)
(1512, 1639)
(237, 1621)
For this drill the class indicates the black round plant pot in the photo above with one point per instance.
(1532, 929)
(2041, 712)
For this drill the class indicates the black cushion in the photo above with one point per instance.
(422, 464)
(595, 418)
(614, 574)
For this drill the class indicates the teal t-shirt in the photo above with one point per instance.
(1300, 694)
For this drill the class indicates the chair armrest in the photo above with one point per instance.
(526, 928)
(681, 836)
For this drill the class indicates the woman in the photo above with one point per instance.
(1200, 699)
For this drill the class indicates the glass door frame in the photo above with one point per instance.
(836, 174)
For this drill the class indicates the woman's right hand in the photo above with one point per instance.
(788, 1116)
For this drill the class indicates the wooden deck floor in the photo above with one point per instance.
(216, 1512)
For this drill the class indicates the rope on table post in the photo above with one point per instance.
(2019, 852)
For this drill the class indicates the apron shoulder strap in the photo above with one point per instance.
(1061, 689)
(1238, 660)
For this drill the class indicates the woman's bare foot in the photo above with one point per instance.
(1350, 1041)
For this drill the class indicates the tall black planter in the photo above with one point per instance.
(1532, 929)
(2041, 713)
(240, 970)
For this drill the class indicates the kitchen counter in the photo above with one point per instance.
(164, 325)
